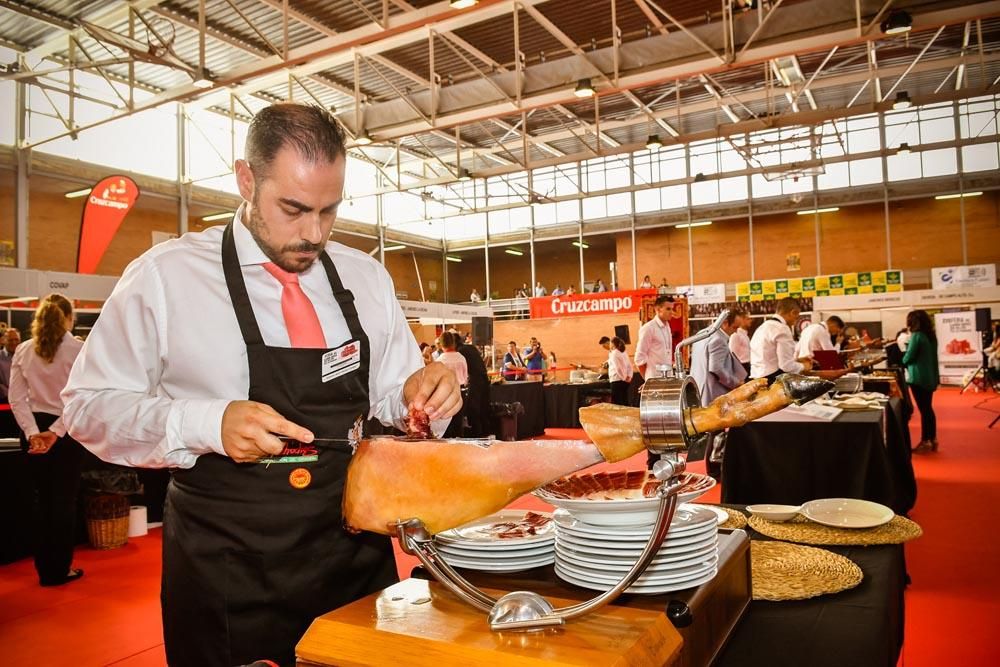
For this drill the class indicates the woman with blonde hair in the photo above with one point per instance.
(39, 372)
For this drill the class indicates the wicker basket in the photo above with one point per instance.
(107, 521)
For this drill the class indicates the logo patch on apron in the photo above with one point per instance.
(300, 478)
(294, 452)
(341, 361)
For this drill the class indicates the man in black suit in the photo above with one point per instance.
(477, 402)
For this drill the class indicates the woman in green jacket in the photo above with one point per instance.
(921, 363)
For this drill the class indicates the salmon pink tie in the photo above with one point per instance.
(301, 321)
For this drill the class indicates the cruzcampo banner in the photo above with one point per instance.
(838, 284)
(107, 205)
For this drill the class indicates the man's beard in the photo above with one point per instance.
(255, 223)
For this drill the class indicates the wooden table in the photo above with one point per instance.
(417, 622)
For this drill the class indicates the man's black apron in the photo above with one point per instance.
(253, 552)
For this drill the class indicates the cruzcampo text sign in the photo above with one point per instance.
(602, 303)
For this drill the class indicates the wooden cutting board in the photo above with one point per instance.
(418, 623)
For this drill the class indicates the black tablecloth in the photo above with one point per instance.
(859, 627)
(563, 401)
(531, 396)
(16, 502)
(858, 455)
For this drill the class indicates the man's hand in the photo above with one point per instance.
(250, 431)
(433, 389)
(41, 443)
(806, 362)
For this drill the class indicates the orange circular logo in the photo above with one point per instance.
(300, 478)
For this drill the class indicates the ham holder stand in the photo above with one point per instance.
(664, 408)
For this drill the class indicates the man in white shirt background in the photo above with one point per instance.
(821, 336)
(298, 338)
(739, 341)
(8, 344)
(772, 348)
(540, 289)
(654, 348)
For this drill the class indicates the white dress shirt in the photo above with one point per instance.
(619, 366)
(166, 356)
(814, 337)
(458, 365)
(35, 384)
(772, 348)
(655, 346)
(739, 345)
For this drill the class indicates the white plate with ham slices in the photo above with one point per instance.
(507, 529)
(620, 498)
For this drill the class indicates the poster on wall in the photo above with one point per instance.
(959, 345)
(839, 284)
(714, 293)
(107, 205)
(976, 275)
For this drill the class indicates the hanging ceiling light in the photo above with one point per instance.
(463, 4)
(959, 195)
(513, 251)
(904, 149)
(898, 22)
(584, 88)
(464, 175)
(78, 193)
(814, 211)
(452, 258)
(703, 223)
(225, 215)
(363, 139)
(202, 81)
(390, 248)
(653, 143)
(580, 244)
(902, 101)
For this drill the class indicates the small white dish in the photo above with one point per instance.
(775, 512)
(847, 513)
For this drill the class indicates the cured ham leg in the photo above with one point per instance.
(446, 483)
(617, 431)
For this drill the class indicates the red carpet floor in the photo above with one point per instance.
(111, 616)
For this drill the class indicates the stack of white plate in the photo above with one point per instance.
(596, 557)
(508, 541)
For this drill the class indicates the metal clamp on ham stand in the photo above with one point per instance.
(665, 406)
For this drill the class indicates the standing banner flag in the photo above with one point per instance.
(107, 205)
(959, 345)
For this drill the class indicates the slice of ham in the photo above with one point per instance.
(418, 425)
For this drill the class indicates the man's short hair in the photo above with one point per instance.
(732, 315)
(604, 339)
(787, 305)
(836, 320)
(513, 342)
(310, 130)
(662, 299)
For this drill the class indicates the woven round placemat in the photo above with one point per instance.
(736, 519)
(804, 531)
(783, 571)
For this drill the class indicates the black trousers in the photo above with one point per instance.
(619, 392)
(56, 478)
(928, 421)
